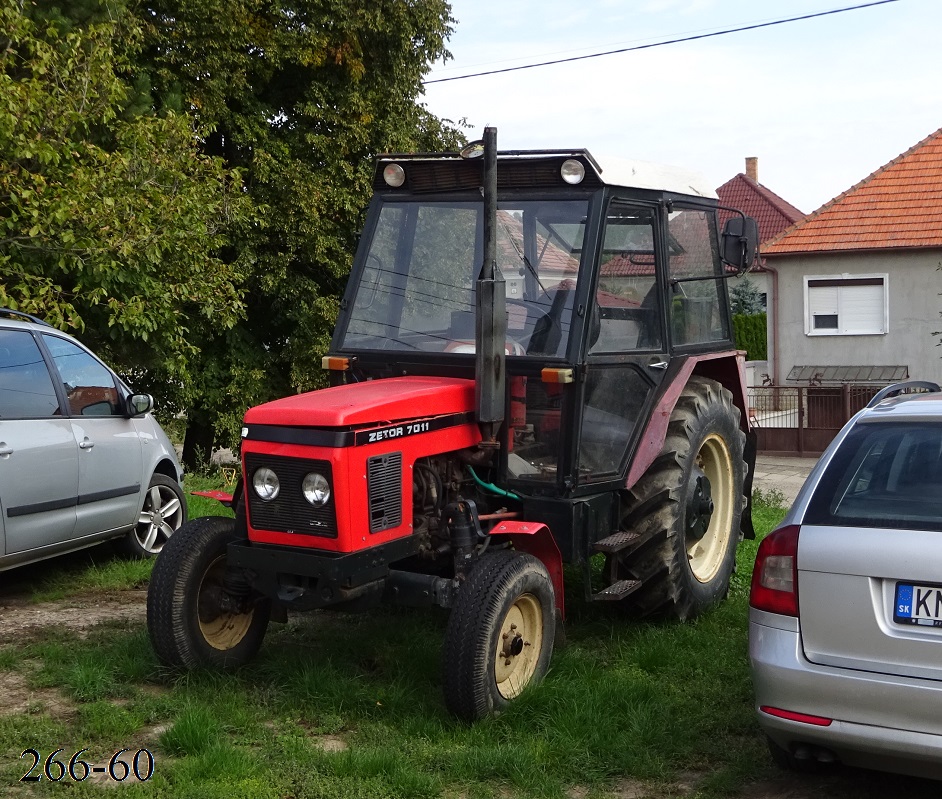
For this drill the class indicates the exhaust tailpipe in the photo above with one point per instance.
(490, 328)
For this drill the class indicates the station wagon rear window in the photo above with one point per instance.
(883, 475)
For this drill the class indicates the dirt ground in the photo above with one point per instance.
(20, 619)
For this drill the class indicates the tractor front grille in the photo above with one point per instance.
(384, 485)
(290, 512)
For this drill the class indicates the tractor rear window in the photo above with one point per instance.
(416, 291)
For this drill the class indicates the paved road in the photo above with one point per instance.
(782, 473)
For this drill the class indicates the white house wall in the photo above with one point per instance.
(913, 285)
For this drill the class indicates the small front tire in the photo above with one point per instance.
(193, 616)
(500, 634)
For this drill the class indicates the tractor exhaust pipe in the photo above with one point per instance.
(490, 328)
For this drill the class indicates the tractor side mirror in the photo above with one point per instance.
(740, 242)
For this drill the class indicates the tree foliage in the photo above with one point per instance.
(744, 297)
(110, 224)
(750, 334)
(184, 180)
(300, 96)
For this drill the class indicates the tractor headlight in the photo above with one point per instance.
(316, 489)
(572, 171)
(394, 175)
(266, 483)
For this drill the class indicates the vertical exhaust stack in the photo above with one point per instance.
(490, 330)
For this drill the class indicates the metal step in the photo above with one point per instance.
(617, 591)
(616, 542)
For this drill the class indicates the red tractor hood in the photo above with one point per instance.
(368, 403)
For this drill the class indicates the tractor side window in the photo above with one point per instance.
(628, 300)
(614, 398)
(697, 309)
(539, 422)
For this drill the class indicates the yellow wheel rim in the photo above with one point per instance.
(706, 555)
(221, 629)
(518, 646)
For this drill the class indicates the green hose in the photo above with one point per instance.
(491, 487)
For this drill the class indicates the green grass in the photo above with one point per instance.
(342, 706)
(203, 506)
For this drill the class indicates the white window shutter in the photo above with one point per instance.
(861, 309)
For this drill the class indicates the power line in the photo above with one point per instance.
(663, 43)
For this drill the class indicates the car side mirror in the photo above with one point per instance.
(139, 404)
(740, 242)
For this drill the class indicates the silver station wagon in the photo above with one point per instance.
(845, 620)
(81, 458)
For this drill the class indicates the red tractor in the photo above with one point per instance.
(533, 365)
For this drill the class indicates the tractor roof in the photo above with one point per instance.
(450, 170)
(647, 175)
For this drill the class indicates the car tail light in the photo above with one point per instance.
(775, 578)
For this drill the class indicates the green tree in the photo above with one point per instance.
(111, 224)
(744, 297)
(299, 96)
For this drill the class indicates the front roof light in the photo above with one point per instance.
(471, 150)
(572, 171)
(394, 175)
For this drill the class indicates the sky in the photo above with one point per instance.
(822, 103)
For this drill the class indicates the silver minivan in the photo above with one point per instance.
(81, 458)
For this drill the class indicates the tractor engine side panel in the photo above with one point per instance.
(371, 485)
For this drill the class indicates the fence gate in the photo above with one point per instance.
(802, 420)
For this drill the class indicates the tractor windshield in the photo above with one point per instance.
(416, 291)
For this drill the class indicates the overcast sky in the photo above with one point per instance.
(822, 102)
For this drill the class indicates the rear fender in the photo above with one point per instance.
(729, 370)
(536, 539)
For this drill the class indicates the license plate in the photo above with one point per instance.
(918, 604)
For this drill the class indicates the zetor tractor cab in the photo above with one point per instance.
(533, 365)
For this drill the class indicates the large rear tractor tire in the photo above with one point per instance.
(687, 509)
(197, 615)
(500, 634)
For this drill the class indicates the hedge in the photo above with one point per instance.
(749, 333)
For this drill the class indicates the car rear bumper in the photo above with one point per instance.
(878, 720)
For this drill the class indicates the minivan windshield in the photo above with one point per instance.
(416, 291)
(885, 474)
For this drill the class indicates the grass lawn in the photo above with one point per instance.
(341, 705)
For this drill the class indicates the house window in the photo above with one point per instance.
(846, 306)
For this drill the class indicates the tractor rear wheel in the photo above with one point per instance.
(198, 614)
(687, 509)
(500, 634)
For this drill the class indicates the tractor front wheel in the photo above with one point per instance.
(500, 634)
(198, 612)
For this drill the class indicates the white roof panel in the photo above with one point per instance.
(659, 177)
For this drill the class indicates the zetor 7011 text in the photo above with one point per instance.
(533, 364)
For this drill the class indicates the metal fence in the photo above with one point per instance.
(803, 420)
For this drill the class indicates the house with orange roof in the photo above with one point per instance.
(772, 214)
(857, 282)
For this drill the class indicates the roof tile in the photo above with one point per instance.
(899, 205)
(771, 212)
